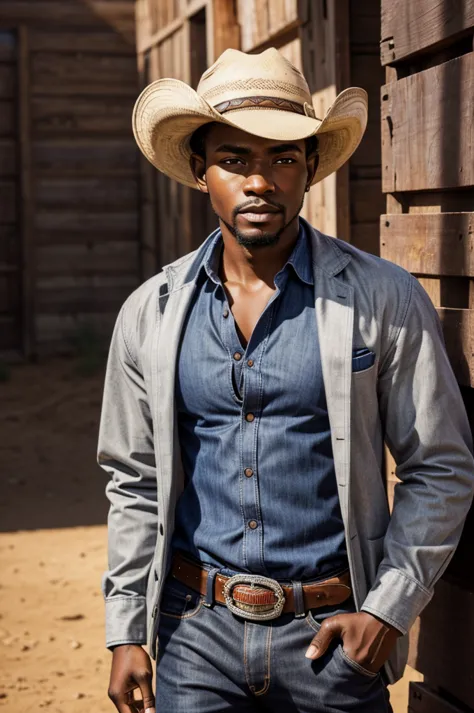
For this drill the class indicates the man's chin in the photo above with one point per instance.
(256, 241)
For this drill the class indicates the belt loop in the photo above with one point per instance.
(211, 578)
(298, 599)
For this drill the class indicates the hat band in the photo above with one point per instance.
(265, 102)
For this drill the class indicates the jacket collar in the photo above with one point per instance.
(327, 256)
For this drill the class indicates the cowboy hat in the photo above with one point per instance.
(262, 94)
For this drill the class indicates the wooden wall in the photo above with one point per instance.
(428, 176)
(77, 175)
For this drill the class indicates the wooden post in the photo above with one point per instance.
(26, 196)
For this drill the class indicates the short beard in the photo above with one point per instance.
(264, 240)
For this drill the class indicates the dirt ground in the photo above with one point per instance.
(53, 544)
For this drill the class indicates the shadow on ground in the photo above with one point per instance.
(49, 419)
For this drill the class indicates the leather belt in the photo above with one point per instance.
(256, 597)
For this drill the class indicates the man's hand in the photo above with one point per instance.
(366, 639)
(131, 669)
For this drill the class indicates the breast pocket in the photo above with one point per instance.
(362, 360)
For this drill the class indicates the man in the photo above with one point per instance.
(249, 391)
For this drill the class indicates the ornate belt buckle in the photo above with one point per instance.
(254, 597)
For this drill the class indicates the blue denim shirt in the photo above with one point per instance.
(260, 493)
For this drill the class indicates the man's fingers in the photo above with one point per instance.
(148, 697)
(122, 702)
(330, 628)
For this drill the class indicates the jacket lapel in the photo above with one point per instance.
(334, 308)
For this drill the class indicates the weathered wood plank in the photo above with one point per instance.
(72, 74)
(82, 156)
(60, 116)
(87, 259)
(226, 26)
(409, 27)
(430, 243)
(84, 221)
(56, 332)
(443, 642)
(63, 193)
(118, 14)
(426, 128)
(82, 300)
(28, 303)
(93, 41)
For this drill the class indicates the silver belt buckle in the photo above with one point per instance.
(254, 612)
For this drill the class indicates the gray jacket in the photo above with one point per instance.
(409, 398)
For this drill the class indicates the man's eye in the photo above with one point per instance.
(286, 160)
(231, 161)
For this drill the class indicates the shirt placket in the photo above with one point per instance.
(247, 367)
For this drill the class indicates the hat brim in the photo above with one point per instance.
(168, 112)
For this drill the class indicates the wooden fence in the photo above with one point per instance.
(428, 175)
(69, 173)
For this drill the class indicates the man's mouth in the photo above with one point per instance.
(259, 214)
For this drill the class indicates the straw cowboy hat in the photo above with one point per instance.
(262, 94)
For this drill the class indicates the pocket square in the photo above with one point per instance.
(362, 359)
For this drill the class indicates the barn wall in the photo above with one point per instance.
(428, 176)
(77, 173)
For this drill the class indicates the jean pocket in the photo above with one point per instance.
(179, 601)
(356, 667)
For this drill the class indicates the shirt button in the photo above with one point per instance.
(250, 362)
(250, 417)
(237, 356)
(248, 472)
(225, 313)
(253, 524)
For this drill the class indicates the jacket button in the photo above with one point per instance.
(249, 417)
(225, 313)
(253, 524)
(237, 356)
(248, 472)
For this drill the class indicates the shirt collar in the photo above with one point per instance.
(300, 259)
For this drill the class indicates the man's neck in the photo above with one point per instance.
(252, 266)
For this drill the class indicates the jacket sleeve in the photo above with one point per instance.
(428, 434)
(126, 453)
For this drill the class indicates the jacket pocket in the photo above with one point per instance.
(362, 360)
(179, 601)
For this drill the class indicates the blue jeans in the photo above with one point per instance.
(210, 660)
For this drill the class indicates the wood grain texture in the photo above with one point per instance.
(430, 243)
(8, 157)
(410, 27)
(85, 157)
(84, 114)
(427, 119)
(56, 73)
(100, 40)
(458, 330)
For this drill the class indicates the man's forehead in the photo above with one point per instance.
(223, 134)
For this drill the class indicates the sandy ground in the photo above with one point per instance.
(53, 545)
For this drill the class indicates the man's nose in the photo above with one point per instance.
(258, 184)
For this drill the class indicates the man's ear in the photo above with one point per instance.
(312, 163)
(198, 167)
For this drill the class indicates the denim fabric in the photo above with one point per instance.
(284, 520)
(210, 661)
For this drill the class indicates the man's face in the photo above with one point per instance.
(256, 185)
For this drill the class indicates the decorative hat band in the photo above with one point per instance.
(267, 102)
